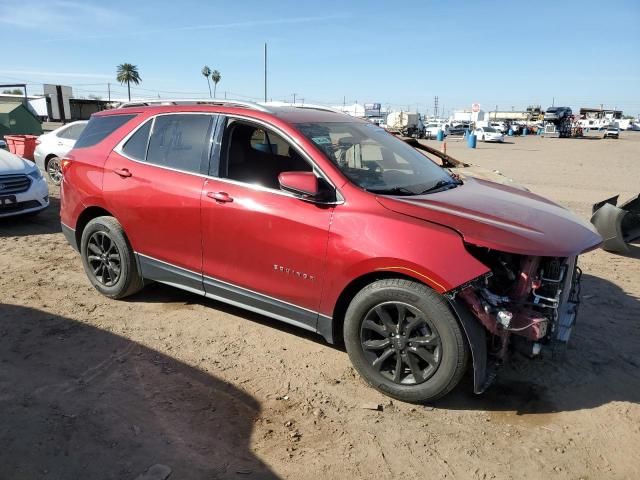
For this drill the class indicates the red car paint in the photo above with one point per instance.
(502, 218)
(296, 251)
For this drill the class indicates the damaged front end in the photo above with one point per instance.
(525, 304)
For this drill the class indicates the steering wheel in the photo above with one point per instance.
(374, 166)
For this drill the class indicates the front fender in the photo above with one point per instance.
(361, 244)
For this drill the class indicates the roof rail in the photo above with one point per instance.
(311, 106)
(182, 101)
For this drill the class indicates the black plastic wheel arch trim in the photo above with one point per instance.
(70, 235)
(483, 373)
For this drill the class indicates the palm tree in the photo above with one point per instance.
(216, 77)
(206, 71)
(128, 73)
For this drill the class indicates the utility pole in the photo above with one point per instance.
(435, 107)
(294, 98)
(344, 101)
(109, 90)
(265, 71)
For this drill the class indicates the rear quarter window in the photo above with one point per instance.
(100, 128)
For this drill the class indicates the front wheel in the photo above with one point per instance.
(404, 341)
(108, 259)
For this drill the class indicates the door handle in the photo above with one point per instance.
(123, 172)
(222, 197)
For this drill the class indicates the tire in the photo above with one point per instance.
(54, 171)
(103, 239)
(367, 344)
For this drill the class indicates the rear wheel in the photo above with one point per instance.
(54, 170)
(404, 341)
(108, 259)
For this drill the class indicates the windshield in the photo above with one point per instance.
(489, 130)
(376, 160)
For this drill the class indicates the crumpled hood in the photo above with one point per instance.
(502, 218)
(10, 163)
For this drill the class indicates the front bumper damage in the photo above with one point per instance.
(527, 310)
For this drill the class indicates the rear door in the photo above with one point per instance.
(153, 183)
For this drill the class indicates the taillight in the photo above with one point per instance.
(65, 163)
(38, 142)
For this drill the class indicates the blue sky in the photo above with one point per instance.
(508, 53)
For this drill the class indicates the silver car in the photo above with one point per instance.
(53, 146)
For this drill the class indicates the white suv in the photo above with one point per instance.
(22, 188)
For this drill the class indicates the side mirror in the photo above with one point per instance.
(301, 183)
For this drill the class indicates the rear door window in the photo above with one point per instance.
(100, 128)
(181, 141)
(136, 146)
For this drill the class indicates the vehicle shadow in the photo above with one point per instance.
(45, 222)
(599, 366)
(80, 402)
(160, 293)
(584, 137)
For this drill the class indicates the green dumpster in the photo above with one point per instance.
(16, 119)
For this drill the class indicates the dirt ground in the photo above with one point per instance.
(92, 388)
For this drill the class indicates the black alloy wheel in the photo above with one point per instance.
(108, 259)
(404, 340)
(401, 343)
(104, 258)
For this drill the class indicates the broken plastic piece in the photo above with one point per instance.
(618, 225)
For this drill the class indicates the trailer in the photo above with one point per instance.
(407, 124)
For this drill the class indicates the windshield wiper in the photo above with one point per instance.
(440, 185)
(392, 191)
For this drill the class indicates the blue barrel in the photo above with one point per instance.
(471, 141)
(525, 130)
(440, 136)
(510, 132)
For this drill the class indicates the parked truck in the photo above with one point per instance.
(405, 123)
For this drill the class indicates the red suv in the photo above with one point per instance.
(329, 223)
